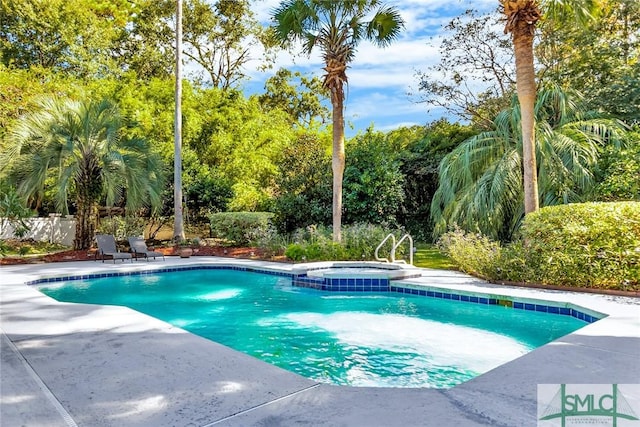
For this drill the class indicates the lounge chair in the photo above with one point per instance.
(107, 248)
(139, 249)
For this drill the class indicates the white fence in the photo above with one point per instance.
(54, 229)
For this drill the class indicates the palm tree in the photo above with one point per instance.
(336, 28)
(178, 223)
(79, 145)
(522, 17)
(480, 182)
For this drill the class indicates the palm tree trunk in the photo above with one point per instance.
(526, 88)
(178, 224)
(337, 162)
(85, 224)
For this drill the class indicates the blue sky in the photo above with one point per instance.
(380, 80)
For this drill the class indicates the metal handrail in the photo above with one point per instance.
(393, 239)
(396, 245)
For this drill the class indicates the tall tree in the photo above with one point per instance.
(80, 145)
(147, 45)
(336, 28)
(601, 59)
(220, 37)
(474, 78)
(373, 182)
(178, 224)
(301, 100)
(480, 182)
(522, 16)
(304, 185)
(73, 36)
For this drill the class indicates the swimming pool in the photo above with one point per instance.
(361, 339)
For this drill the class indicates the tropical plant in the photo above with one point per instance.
(521, 18)
(80, 144)
(336, 28)
(480, 182)
(13, 211)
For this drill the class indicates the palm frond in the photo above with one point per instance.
(480, 181)
(385, 26)
(80, 141)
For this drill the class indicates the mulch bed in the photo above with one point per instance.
(86, 255)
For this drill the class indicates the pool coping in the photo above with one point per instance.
(38, 336)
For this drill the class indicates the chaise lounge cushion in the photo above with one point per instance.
(139, 249)
(107, 248)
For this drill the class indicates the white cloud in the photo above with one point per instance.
(377, 104)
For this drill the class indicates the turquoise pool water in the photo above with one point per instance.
(382, 340)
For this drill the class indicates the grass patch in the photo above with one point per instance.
(429, 256)
(15, 247)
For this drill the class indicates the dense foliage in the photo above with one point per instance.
(373, 182)
(421, 149)
(480, 181)
(589, 244)
(582, 245)
(241, 228)
(304, 185)
(604, 62)
(619, 172)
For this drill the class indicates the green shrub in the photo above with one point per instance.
(473, 253)
(295, 252)
(316, 244)
(241, 228)
(24, 250)
(588, 244)
(582, 245)
(273, 243)
(359, 242)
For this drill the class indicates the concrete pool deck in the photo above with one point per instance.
(88, 365)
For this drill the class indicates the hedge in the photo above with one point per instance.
(241, 228)
(593, 245)
(585, 244)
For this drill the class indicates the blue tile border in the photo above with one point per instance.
(506, 302)
(348, 285)
(160, 270)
